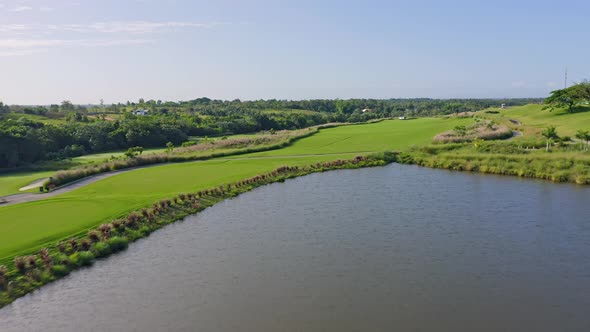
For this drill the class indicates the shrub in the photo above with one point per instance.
(32, 260)
(3, 272)
(85, 258)
(20, 264)
(62, 247)
(44, 254)
(101, 249)
(73, 244)
(85, 244)
(60, 270)
(62, 259)
(105, 230)
(117, 243)
(94, 235)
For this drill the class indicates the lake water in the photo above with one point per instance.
(396, 248)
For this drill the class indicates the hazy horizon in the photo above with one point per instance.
(175, 50)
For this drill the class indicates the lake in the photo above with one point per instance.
(395, 248)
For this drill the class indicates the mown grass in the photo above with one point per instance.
(535, 116)
(28, 226)
(10, 183)
(380, 136)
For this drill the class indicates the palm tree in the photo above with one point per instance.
(583, 135)
(549, 133)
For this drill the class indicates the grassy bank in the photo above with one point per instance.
(506, 158)
(23, 274)
(534, 118)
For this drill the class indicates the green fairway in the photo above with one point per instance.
(380, 136)
(28, 226)
(11, 182)
(534, 115)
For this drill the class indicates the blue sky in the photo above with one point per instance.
(177, 50)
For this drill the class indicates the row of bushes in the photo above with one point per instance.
(27, 273)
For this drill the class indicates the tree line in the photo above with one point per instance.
(88, 129)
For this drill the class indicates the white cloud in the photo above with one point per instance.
(21, 8)
(135, 27)
(144, 26)
(50, 36)
(45, 9)
(35, 43)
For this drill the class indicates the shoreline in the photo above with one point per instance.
(31, 272)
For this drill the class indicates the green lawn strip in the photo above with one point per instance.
(380, 136)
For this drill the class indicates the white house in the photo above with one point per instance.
(140, 112)
(503, 106)
(366, 110)
(402, 118)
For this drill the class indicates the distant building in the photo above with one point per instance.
(140, 112)
(503, 106)
(366, 110)
(402, 118)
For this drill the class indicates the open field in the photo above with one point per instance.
(533, 115)
(28, 226)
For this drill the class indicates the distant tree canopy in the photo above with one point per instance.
(570, 96)
(91, 129)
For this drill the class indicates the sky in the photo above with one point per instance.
(120, 50)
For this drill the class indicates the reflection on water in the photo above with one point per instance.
(398, 248)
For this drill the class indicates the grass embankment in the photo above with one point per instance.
(26, 227)
(30, 272)
(534, 118)
(563, 164)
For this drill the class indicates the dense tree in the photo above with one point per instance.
(569, 97)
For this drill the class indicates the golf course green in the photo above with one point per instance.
(28, 226)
